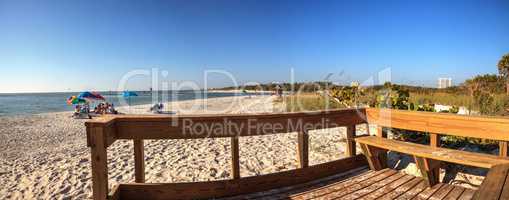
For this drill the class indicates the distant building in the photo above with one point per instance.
(444, 82)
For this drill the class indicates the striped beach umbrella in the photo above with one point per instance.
(75, 100)
(91, 96)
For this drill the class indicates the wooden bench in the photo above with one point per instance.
(496, 184)
(427, 158)
(102, 132)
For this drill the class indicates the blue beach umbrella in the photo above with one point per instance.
(128, 95)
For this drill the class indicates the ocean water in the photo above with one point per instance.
(36, 103)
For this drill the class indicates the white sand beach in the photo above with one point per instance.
(45, 156)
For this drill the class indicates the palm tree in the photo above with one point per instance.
(503, 70)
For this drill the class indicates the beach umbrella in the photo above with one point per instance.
(75, 100)
(128, 95)
(91, 96)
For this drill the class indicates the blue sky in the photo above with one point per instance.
(87, 45)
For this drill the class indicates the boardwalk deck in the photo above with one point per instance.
(343, 180)
(365, 184)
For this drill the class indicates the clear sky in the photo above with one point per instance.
(86, 45)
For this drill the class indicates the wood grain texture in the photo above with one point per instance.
(99, 163)
(174, 127)
(380, 131)
(214, 189)
(446, 124)
(441, 154)
(493, 185)
(109, 132)
(414, 191)
(308, 187)
(427, 168)
(374, 186)
(402, 188)
(454, 194)
(303, 149)
(467, 194)
(434, 140)
(235, 157)
(351, 149)
(505, 189)
(339, 194)
(503, 148)
(442, 192)
(102, 132)
(139, 161)
(426, 194)
(321, 191)
(373, 156)
(214, 126)
(107, 123)
(386, 184)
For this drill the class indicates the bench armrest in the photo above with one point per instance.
(495, 185)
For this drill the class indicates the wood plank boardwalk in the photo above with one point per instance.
(366, 184)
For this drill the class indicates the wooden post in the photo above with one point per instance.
(350, 141)
(373, 156)
(379, 131)
(382, 156)
(434, 141)
(99, 163)
(303, 149)
(502, 148)
(139, 161)
(427, 168)
(235, 157)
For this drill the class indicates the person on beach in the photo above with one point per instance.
(157, 108)
(99, 109)
(77, 110)
(111, 109)
(86, 108)
(103, 108)
(279, 91)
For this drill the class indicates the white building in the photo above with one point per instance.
(444, 82)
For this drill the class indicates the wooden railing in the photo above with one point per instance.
(440, 124)
(102, 132)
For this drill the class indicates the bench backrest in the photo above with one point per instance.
(442, 123)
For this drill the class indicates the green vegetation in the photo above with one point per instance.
(398, 98)
(503, 70)
(483, 101)
(301, 87)
(443, 99)
(486, 94)
(308, 102)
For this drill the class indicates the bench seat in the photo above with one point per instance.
(434, 153)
